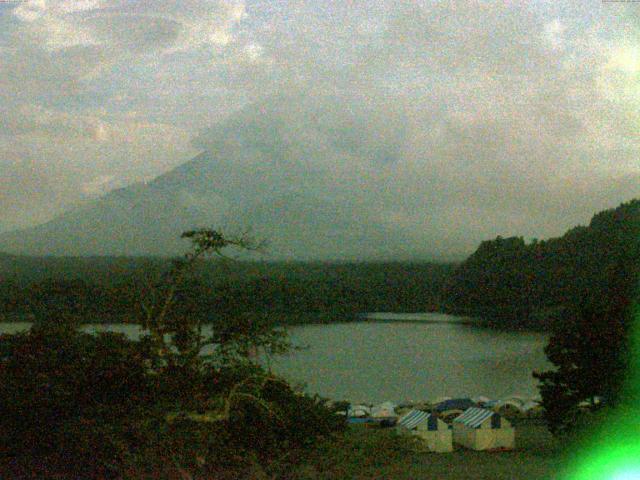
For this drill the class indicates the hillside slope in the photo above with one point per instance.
(512, 283)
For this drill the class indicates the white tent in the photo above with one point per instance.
(384, 410)
(481, 429)
(435, 433)
(510, 406)
(358, 411)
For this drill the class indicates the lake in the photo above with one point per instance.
(419, 358)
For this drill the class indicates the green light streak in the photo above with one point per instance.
(612, 452)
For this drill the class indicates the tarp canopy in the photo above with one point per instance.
(474, 417)
(360, 420)
(455, 404)
(417, 417)
(510, 402)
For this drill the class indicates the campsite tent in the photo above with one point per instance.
(384, 410)
(491, 404)
(455, 404)
(510, 407)
(481, 429)
(435, 433)
(450, 409)
(358, 411)
(481, 400)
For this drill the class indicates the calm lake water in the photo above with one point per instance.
(414, 360)
(420, 357)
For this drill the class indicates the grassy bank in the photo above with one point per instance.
(365, 454)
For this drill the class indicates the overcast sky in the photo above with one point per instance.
(500, 117)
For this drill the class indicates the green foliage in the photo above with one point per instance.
(512, 284)
(102, 406)
(266, 427)
(590, 350)
(580, 288)
(70, 399)
(110, 289)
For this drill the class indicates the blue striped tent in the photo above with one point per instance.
(415, 417)
(474, 417)
(482, 429)
(435, 434)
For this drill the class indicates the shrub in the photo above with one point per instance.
(73, 400)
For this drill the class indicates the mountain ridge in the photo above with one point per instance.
(263, 173)
(319, 180)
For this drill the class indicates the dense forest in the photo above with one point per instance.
(104, 289)
(506, 281)
(514, 284)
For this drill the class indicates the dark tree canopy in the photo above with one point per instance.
(514, 284)
(591, 347)
(77, 405)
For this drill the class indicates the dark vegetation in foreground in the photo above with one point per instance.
(76, 405)
(91, 406)
(101, 406)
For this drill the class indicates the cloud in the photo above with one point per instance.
(466, 116)
(134, 26)
(51, 161)
(98, 185)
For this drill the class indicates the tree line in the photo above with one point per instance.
(581, 288)
(110, 291)
(514, 284)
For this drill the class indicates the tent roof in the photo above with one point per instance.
(510, 401)
(417, 417)
(455, 404)
(413, 418)
(474, 417)
(362, 409)
(481, 399)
